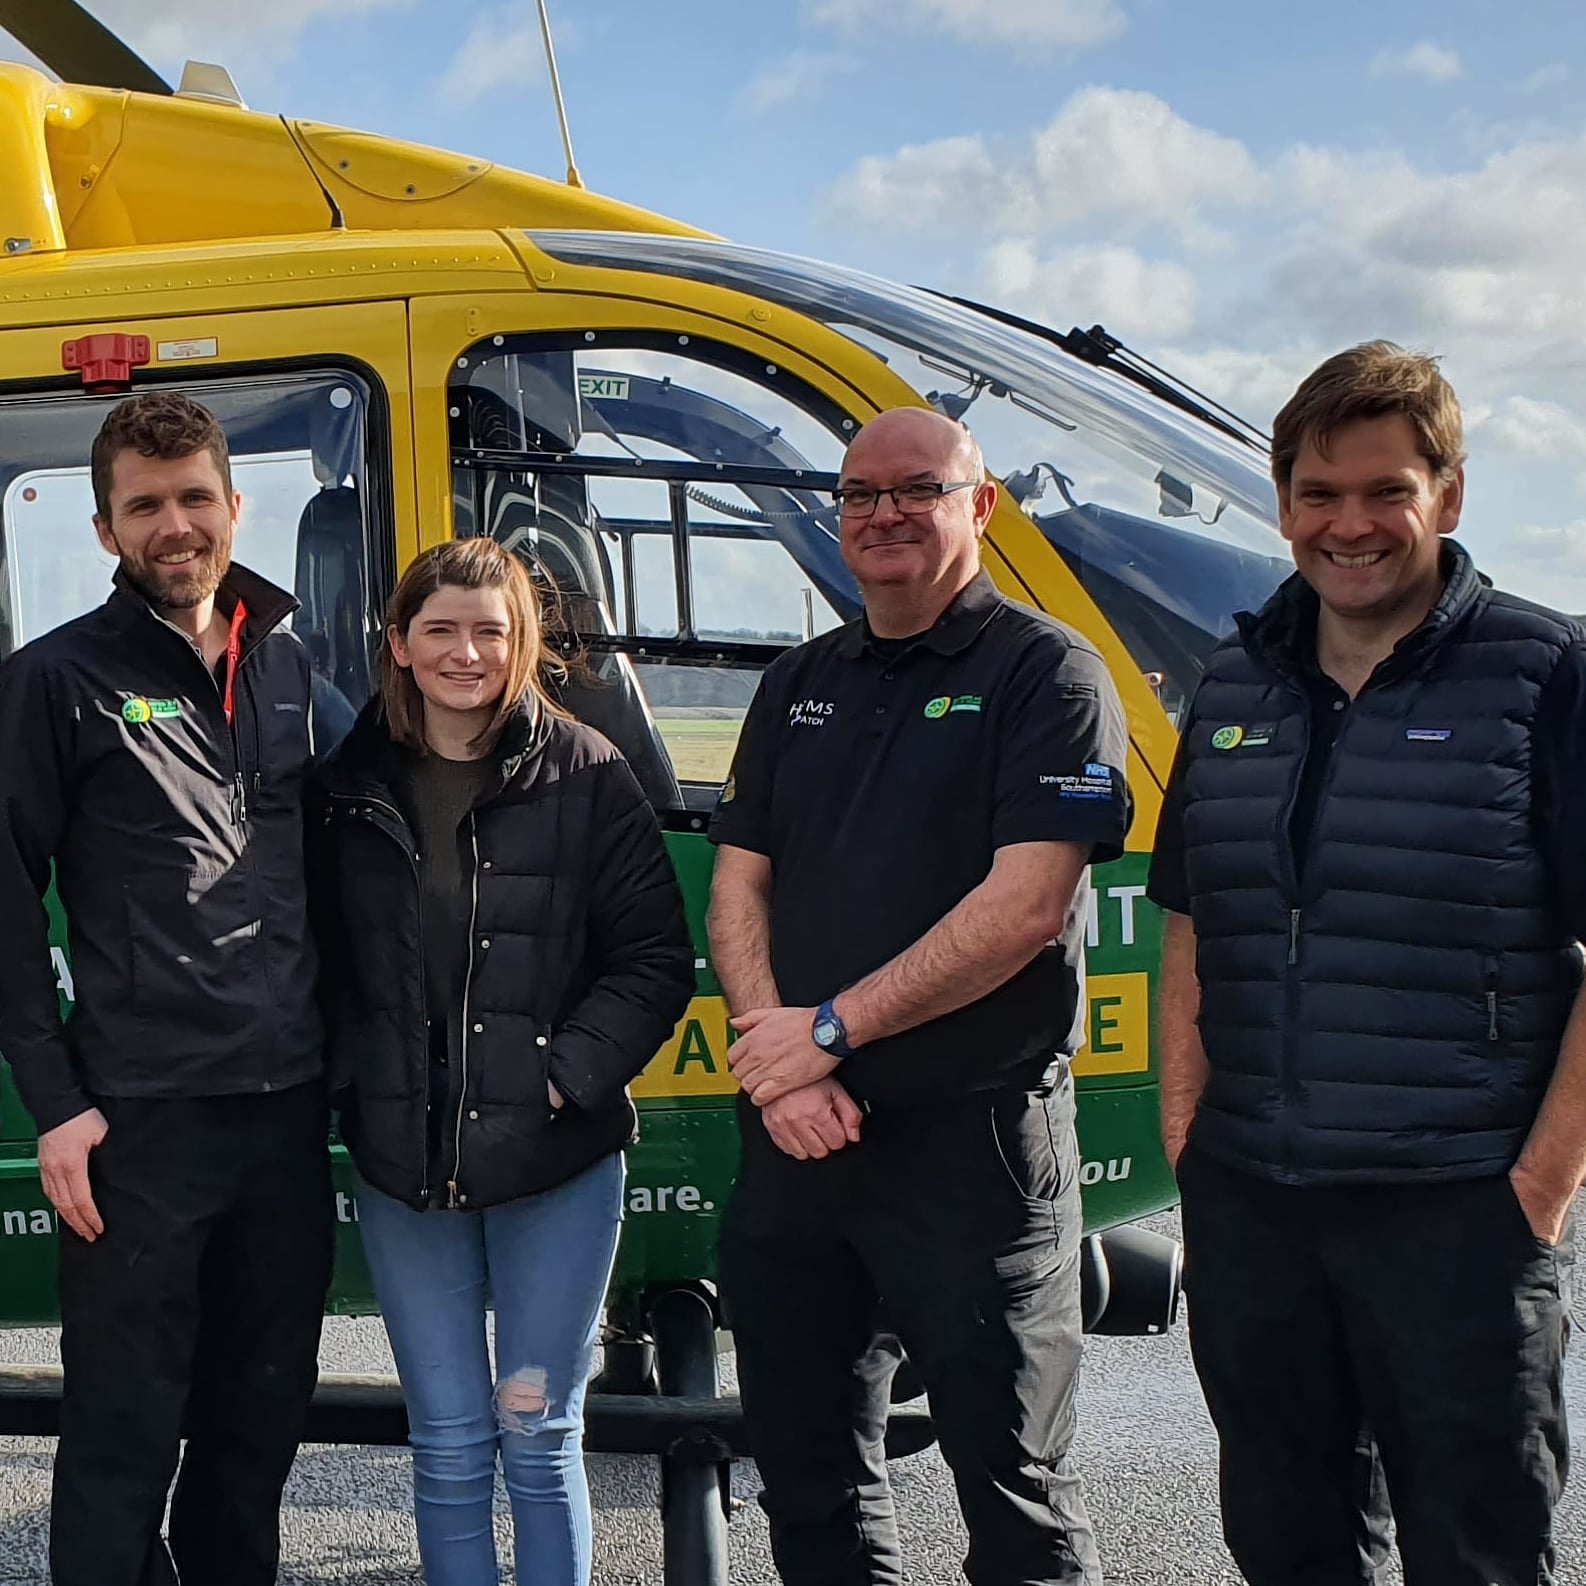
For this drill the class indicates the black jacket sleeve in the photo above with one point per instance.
(641, 953)
(35, 781)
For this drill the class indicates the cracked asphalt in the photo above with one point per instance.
(1145, 1445)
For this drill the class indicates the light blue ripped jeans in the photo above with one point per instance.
(545, 1261)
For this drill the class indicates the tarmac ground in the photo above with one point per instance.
(1145, 1445)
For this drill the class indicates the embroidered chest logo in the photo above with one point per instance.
(137, 710)
(810, 713)
(1258, 737)
(1429, 734)
(947, 705)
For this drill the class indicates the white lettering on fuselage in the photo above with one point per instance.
(1126, 897)
(63, 974)
(1115, 1170)
(21, 1223)
(667, 1198)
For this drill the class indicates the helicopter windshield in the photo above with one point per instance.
(1168, 523)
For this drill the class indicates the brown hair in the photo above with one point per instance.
(477, 563)
(1373, 380)
(163, 424)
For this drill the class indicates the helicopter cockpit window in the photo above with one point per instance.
(299, 458)
(671, 497)
(1167, 522)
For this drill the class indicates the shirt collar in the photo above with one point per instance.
(1283, 632)
(268, 606)
(951, 634)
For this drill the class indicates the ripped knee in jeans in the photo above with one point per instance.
(521, 1399)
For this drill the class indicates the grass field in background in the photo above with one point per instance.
(700, 745)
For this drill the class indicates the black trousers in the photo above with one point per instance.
(956, 1228)
(1426, 1312)
(196, 1312)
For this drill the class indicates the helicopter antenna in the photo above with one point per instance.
(573, 178)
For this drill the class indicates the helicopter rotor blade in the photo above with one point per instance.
(78, 45)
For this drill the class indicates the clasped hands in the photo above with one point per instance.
(788, 1077)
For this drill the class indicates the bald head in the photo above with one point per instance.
(919, 434)
(912, 551)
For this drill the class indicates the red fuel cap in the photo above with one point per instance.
(106, 360)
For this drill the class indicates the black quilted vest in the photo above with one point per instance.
(1399, 1015)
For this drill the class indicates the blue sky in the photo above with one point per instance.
(1236, 188)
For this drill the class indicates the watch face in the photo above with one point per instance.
(825, 1032)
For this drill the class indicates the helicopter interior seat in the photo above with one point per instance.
(600, 687)
(329, 582)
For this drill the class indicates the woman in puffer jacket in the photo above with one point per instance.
(504, 948)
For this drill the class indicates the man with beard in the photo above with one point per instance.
(157, 753)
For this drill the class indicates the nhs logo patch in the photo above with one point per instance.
(1428, 734)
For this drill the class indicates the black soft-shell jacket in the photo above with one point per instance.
(177, 841)
(580, 964)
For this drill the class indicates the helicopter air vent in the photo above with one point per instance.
(212, 84)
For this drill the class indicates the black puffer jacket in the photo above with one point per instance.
(580, 964)
(1397, 1014)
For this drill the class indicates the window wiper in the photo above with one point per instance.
(1098, 347)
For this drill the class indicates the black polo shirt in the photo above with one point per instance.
(880, 778)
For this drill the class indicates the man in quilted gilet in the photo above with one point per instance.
(1373, 1056)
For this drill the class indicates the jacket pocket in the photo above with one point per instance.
(191, 963)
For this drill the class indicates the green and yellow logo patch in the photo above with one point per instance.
(137, 710)
(947, 705)
(1228, 737)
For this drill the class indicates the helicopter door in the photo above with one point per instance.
(304, 398)
(669, 490)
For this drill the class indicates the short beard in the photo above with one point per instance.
(183, 591)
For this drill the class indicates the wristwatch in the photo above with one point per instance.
(829, 1032)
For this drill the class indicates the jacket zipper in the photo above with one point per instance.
(352, 802)
(1492, 999)
(454, 1196)
(1286, 1081)
(239, 790)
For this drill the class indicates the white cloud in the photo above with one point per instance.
(803, 75)
(503, 49)
(1133, 296)
(1486, 258)
(1546, 77)
(917, 184)
(1109, 152)
(1128, 153)
(1530, 428)
(1477, 259)
(1253, 384)
(1426, 59)
(168, 32)
(1546, 563)
(1062, 23)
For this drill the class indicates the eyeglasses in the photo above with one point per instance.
(919, 497)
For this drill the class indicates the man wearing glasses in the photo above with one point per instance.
(897, 918)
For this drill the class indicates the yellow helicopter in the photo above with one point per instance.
(406, 345)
